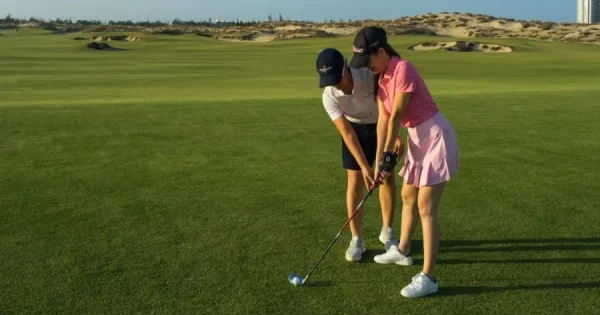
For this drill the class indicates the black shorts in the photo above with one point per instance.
(367, 136)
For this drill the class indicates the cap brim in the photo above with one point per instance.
(329, 80)
(359, 61)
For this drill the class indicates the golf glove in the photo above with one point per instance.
(388, 162)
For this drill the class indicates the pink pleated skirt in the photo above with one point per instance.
(432, 155)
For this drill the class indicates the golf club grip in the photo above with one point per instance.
(375, 184)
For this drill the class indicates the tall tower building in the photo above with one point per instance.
(588, 11)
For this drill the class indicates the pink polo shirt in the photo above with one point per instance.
(402, 77)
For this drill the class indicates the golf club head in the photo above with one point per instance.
(293, 276)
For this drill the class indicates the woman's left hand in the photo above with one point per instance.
(387, 164)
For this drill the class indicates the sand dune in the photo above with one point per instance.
(449, 25)
(444, 24)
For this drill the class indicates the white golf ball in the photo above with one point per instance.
(297, 281)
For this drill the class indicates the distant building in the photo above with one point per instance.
(588, 11)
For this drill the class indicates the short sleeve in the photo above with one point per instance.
(405, 77)
(332, 107)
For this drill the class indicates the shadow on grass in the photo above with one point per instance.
(538, 241)
(452, 291)
(526, 248)
(566, 244)
(521, 245)
(516, 245)
(520, 261)
(369, 255)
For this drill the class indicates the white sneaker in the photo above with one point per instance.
(420, 286)
(356, 249)
(387, 238)
(393, 256)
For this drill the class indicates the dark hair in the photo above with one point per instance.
(392, 53)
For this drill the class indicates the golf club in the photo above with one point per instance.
(295, 278)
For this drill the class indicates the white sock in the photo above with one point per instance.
(388, 230)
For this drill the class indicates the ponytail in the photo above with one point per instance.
(392, 53)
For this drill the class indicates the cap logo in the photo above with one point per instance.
(358, 50)
(374, 44)
(325, 69)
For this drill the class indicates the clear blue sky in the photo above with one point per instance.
(315, 10)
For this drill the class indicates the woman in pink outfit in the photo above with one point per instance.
(432, 154)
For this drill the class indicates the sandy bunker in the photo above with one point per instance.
(461, 46)
(102, 46)
(116, 38)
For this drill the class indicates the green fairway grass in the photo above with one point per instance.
(186, 175)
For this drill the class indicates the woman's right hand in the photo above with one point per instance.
(377, 172)
(384, 175)
(367, 174)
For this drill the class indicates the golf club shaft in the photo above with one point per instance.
(377, 182)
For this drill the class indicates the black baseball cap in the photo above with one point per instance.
(330, 65)
(367, 41)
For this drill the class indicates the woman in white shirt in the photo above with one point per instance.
(349, 100)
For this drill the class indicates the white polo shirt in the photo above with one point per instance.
(359, 107)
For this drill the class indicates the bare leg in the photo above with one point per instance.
(354, 195)
(387, 197)
(410, 212)
(429, 200)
